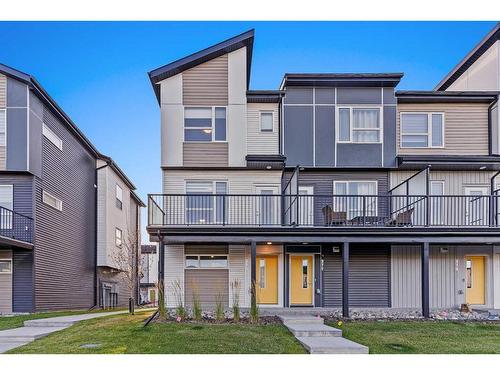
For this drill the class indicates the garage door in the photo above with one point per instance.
(209, 284)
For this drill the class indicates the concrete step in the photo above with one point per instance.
(26, 334)
(297, 319)
(332, 345)
(313, 330)
(44, 323)
(11, 345)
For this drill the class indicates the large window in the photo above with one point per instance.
(422, 130)
(359, 125)
(205, 124)
(202, 206)
(206, 261)
(6, 206)
(349, 198)
(52, 201)
(119, 197)
(51, 136)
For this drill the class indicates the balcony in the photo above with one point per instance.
(452, 212)
(14, 227)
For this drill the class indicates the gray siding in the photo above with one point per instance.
(332, 278)
(324, 135)
(208, 283)
(17, 125)
(22, 281)
(206, 249)
(389, 150)
(351, 95)
(298, 134)
(212, 154)
(23, 191)
(35, 135)
(65, 246)
(359, 155)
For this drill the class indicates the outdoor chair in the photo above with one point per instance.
(403, 219)
(332, 217)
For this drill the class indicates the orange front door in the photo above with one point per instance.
(301, 279)
(267, 279)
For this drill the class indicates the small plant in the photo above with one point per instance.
(196, 303)
(219, 305)
(254, 309)
(235, 288)
(179, 310)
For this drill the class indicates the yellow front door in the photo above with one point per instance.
(301, 279)
(267, 279)
(475, 280)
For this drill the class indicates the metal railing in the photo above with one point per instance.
(15, 225)
(254, 210)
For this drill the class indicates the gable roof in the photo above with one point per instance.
(243, 40)
(470, 58)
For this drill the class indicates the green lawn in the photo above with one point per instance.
(18, 320)
(425, 337)
(125, 334)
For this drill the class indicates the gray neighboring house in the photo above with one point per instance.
(48, 203)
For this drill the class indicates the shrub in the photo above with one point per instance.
(219, 306)
(179, 310)
(235, 288)
(196, 303)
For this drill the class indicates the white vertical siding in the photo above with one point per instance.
(3, 91)
(442, 278)
(258, 142)
(6, 285)
(239, 269)
(174, 271)
(406, 277)
(496, 277)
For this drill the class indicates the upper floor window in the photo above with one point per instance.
(266, 122)
(348, 198)
(359, 125)
(206, 202)
(5, 266)
(119, 197)
(52, 201)
(6, 206)
(422, 130)
(51, 136)
(118, 237)
(3, 128)
(205, 124)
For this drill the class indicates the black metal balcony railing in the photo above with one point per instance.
(253, 210)
(15, 225)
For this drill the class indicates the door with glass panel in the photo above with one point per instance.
(475, 280)
(267, 205)
(355, 199)
(206, 202)
(477, 206)
(267, 279)
(437, 203)
(301, 279)
(306, 205)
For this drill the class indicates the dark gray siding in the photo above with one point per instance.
(22, 281)
(17, 125)
(369, 276)
(23, 191)
(359, 155)
(324, 135)
(35, 135)
(390, 136)
(353, 95)
(322, 181)
(120, 280)
(298, 132)
(299, 95)
(209, 284)
(65, 241)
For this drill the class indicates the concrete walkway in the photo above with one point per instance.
(34, 329)
(318, 338)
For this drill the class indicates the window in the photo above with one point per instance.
(206, 261)
(305, 273)
(118, 237)
(349, 198)
(5, 266)
(266, 122)
(262, 273)
(52, 201)
(202, 206)
(422, 130)
(359, 125)
(468, 274)
(51, 136)
(205, 124)
(6, 206)
(3, 128)
(119, 197)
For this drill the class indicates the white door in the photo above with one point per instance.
(477, 206)
(437, 203)
(306, 205)
(267, 207)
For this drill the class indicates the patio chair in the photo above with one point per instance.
(332, 217)
(403, 219)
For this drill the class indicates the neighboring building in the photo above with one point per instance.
(149, 275)
(333, 191)
(48, 202)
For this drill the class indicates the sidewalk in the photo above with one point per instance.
(37, 328)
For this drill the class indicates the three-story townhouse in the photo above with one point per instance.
(365, 197)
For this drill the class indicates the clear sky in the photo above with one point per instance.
(97, 71)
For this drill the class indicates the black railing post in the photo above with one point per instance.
(364, 210)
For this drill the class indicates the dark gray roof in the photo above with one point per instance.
(148, 249)
(342, 79)
(445, 96)
(219, 49)
(470, 58)
(264, 96)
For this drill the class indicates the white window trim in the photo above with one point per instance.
(351, 128)
(440, 182)
(272, 122)
(204, 127)
(360, 181)
(429, 129)
(58, 201)
(121, 237)
(10, 268)
(206, 255)
(46, 131)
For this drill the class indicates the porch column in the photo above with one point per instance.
(253, 271)
(425, 280)
(345, 280)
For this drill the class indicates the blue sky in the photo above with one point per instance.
(97, 71)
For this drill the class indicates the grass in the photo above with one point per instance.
(125, 334)
(425, 337)
(16, 321)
